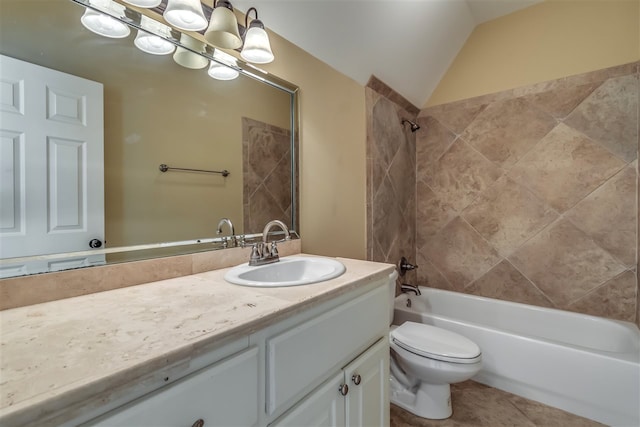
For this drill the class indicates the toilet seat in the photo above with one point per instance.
(435, 343)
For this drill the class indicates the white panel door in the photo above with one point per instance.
(51, 166)
(322, 408)
(224, 394)
(367, 402)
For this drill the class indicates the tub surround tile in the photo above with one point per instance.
(383, 89)
(428, 275)
(561, 255)
(431, 145)
(609, 116)
(461, 175)
(454, 117)
(614, 300)
(608, 215)
(460, 253)
(387, 130)
(565, 167)
(506, 130)
(432, 214)
(391, 160)
(562, 100)
(537, 170)
(506, 283)
(507, 215)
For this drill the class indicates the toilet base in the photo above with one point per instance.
(432, 401)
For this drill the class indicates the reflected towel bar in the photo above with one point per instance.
(165, 168)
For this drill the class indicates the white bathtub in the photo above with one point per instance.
(586, 365)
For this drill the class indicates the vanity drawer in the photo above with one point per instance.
(301, 357)
(223, 394)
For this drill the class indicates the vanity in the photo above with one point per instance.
(199, 351)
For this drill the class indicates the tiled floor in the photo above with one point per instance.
(476, 405)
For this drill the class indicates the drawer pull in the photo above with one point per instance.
(356, 379)
(199, 423)
(343, 389)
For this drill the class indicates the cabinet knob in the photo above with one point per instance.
(343, 389)
(198, 423)
(356, 379)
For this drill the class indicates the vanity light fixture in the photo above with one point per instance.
(102, 23)
(151, 43)
(257, 48)
(187, 58)
(220, 71)
(185, 15)
(147, 4)
(223, 27)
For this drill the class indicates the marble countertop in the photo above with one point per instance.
(50, 351)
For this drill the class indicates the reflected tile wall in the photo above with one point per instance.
(531, 195)
(391, 177)
(266, 173)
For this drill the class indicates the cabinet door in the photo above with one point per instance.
(367, 403)
(224, 394)
(323, 407)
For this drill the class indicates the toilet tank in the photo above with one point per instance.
(392, 293)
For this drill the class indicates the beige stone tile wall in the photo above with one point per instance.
(391, 176)
(531, 195)
(266, 174)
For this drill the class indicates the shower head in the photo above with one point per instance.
(414, 125)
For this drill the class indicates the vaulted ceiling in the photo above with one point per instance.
(408, 44)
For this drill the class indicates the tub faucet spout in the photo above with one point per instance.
(406, 287)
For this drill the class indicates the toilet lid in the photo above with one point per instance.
(435, 343)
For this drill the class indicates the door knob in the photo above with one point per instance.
(356, 379)
(95, 243)
(198, 423)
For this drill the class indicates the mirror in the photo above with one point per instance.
(155, 113)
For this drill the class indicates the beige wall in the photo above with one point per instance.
(550, 40)
(332, 153)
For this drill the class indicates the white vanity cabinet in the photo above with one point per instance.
(223, 394)
(326, 365)
(357, 396)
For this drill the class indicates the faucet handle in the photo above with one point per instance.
(274, 250)
(255, 253)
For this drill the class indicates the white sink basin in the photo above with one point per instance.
(289, 271)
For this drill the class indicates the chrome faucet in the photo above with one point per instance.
(260, 252)
(231, 230)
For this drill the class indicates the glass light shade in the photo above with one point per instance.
(188, 59)
(257, 48)
(150, 42)
(144, 3)
(220, 71)
(223, 29)
(185, 15)
(104, 25)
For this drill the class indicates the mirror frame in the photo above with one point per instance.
(132, 18)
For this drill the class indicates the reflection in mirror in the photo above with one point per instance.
(149, 111)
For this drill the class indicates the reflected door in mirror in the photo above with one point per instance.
(51, 155)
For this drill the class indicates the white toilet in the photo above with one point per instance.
(425, 360)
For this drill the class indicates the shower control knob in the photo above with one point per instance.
(343, 389)
(95, 243)
(357, 379)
